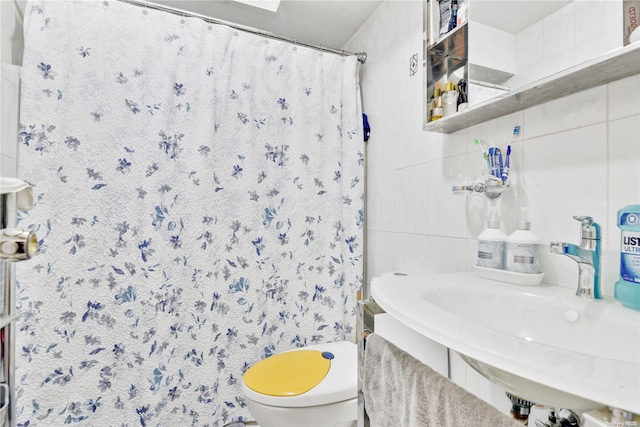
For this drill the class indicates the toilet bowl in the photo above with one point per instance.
(315, 386)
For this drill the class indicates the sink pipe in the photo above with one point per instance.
(520, 408)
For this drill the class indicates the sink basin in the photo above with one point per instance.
(541, 343)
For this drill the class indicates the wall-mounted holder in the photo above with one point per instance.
(491, 186)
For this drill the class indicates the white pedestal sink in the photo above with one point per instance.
(541, 343)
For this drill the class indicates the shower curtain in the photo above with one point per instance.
(199, 207)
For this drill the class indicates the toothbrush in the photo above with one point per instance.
(516, 132)
(485, 156)
(505, 171)
(495, 157)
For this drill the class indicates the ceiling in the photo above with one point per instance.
(329, 23)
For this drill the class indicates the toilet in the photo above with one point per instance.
(314, 386)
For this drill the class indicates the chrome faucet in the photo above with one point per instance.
(587, 255)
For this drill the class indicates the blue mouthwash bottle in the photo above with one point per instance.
(627, 289)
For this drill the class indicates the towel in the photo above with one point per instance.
(399, 391)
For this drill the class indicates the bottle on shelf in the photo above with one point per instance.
(453, 23)
(438, 111)
(450, 99)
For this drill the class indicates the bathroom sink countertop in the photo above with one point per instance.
(542, 343)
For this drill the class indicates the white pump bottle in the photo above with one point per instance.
(491, 243)
(523, 248)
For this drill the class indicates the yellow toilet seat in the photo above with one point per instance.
(288, 374)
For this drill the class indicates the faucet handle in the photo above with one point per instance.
(589, 231)
(585, 220)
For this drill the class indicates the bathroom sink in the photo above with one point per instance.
(541, 343)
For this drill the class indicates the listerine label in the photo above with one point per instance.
(630, 256)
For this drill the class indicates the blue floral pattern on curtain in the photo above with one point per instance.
(199, 205)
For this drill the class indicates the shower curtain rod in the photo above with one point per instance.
(362, 56)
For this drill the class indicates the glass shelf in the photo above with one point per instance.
(615, 65)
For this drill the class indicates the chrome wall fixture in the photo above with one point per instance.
(15, 245)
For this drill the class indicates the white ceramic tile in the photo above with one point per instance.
(560, 61)
(412, 188)
(565, 174)
(389, 251)
(498, 131)
(472, 253)
(383, 201)
(449, 145)
(594, 19)
(383, 147)
(7, 27)
(559, 31)
(530, 46)
(477, 206)
(409, 133)
(404, 19)
(446, 255)
(581, 109)
(375, 201)
(527, 75)
(624, 97)
(559, 269)
(8, 167)
(446, 211)
(412, 254)
(624, 172)
(416, 141)
(380, 252)
(9, 106)
(610, 268)
(597, 46)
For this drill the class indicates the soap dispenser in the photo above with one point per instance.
(491, 243)
(523, 248)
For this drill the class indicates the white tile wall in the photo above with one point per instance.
(10, 53)
(576, 155)
(559, 31)
(9, 102)
(575, 33)
(530, 46)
